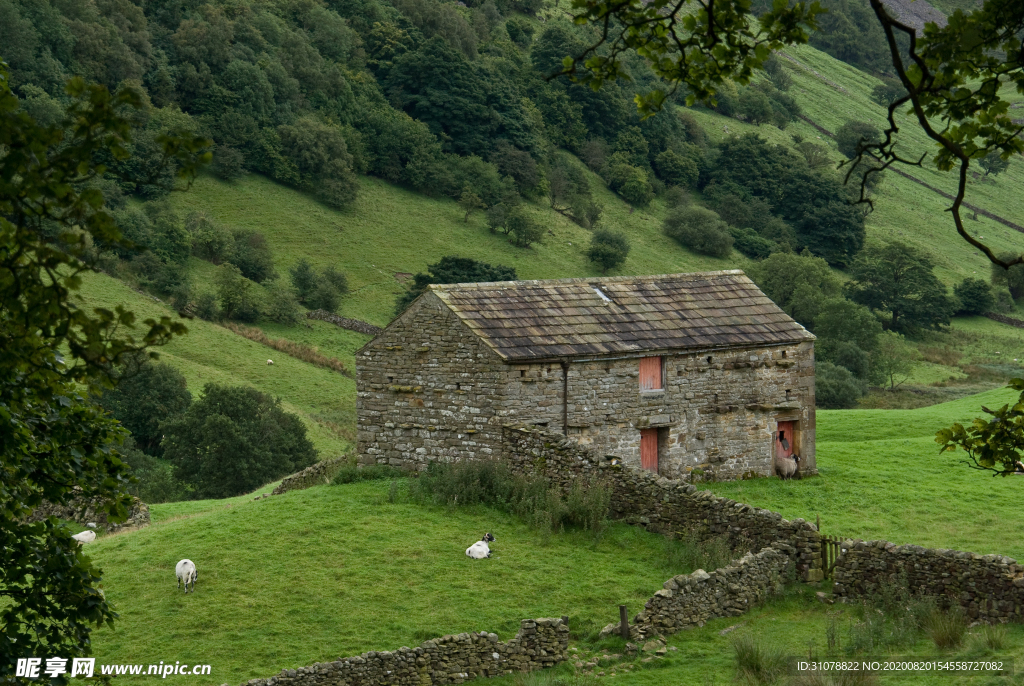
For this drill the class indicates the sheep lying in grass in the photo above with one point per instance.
(85, 537)
(186, 571)
(480, 549)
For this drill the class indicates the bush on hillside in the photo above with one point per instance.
(854, 134)
(283, 305)
(835, 388)
(1011, 279)
(699, 229)
(251, 254)
(233, 440)
(974, 296)
(524, 229)
(236, 294)
(608, 249)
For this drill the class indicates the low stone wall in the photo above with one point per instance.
(344, 322)
(539, 643)
(663, 505)
(86, 510)
(690, 600)
(314, 475)
(989, 588)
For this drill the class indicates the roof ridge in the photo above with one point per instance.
(587, 280)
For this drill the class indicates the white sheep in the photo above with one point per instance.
(787, 466)
(185, 570)
(85, 537)
(480, 549)
(270, 362)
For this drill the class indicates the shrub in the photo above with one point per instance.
(700, 230)
(251, 254)
(524, 229)
(846, 354)
(146, 394)
(155, 483)
(233, 440)
(758, 662)
(210, 240)
(228, 163)
(975, 296)
(675, 196)
(492, 483)
(676, 169)
(206, 307)
(283, 305)
(1012, 278)
(636, 188)
(748, 242)
(853, 134)
(608, 249)
(235, 292)
(835, 388)
(373, 472)
(946, 628)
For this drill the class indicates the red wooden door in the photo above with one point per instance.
(650, 373)
(649, 449)
(784, 439)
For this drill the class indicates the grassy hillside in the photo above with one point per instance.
(337, 570)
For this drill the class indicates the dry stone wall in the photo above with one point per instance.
(314, 475)
(86, 510)
(540, 643)
(664, 505)
(989, 588)
(690, 600)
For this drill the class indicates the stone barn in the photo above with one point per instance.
(681, 374)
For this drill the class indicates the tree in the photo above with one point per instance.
(948, 72)
(994, 163)
(994, 445)
(893, 360)
(525, 230)
(676, 169)
(608, 249)
(470, 201)
(235, 292)
(453, 269)
(975, 296)
(303, 278)
(57, 445)
(146, 395)
(854, 135)
(897, 279)
(251, 254)
(800, 285)
(1012, 279)
(235, 439)
(699, 229)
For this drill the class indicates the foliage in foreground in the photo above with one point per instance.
(56, 445)
(994, 445)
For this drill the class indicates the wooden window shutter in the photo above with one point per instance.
(649, 449)
(650, 374)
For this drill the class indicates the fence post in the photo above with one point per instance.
(623, 622)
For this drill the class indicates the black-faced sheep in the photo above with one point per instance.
(480, 549)
(186, 572)
(787, 467)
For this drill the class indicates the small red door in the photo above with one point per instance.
(784, 439)
(649, 449)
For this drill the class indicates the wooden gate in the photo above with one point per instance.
(831, 549)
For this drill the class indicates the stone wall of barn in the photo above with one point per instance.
(989, 588)
(663, 505)
(716, 413)
(427, 389)
(453, 659)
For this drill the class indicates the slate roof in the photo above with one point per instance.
(526, 320)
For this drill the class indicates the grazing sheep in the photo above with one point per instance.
(787, 466)
(186, 571)
(270, 362)
(480, 549)
(91, 525)
(85, 537)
